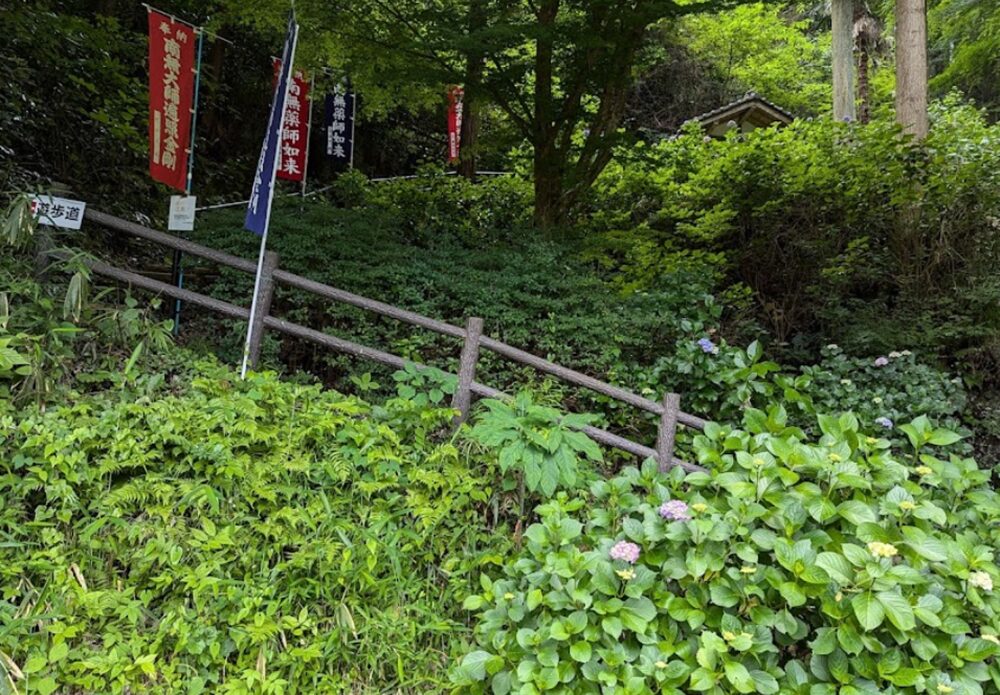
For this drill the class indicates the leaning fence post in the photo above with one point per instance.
(43, 247)
(266, 292)
(667, 431)
(462, 400)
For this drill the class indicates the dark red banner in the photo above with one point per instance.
(171, 98)
(455, 95)
(294, 129)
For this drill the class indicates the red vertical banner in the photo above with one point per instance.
(171, 98)
(294, 128)
(455, 95)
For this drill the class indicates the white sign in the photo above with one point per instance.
(58, 212)
(181, 213)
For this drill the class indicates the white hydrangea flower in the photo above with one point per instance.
(981, 580)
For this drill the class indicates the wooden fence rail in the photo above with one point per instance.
(472, 336)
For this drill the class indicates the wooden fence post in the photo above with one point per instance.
(43, 247)
(668, 429)
(263, 305)
(462, 400)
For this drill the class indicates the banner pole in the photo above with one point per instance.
(309, 125)
(279, 114)
(178, 269)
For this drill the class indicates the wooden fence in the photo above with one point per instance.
(472, 336)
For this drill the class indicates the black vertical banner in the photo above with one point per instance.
(338, 125)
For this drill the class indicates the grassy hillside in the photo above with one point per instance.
(228, 537)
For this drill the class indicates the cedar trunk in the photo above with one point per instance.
(911, 66)
(842, 22)
(474, 65)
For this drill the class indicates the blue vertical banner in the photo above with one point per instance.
(262, 194)
(338, 125)
(259, 208)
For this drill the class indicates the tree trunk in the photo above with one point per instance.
(842, 20)
(474, 65)
(548, 184)
(911, 66)
(864, 95)
(547, 163)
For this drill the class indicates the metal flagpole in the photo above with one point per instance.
(270, 199)
(309, 124)
(178, 269)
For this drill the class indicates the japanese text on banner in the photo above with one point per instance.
(171, 98)
(294, 128)
(339, 125)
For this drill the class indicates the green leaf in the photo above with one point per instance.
(857, 512)
(473, 603)
(612, 625)
(46, 686)
(836, 566)
(58, 652)
(868, 611)
(35, 664)
(723, 596)
(977, 649)
(581, 651)
(474, 665)
(942, 437)
(502, 683)
(702, 679)
(897, 609)
(792, 594)
(738, 675)
(764, 682)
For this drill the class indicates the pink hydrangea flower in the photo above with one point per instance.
(881, 361)
(675, 510)
(623, 550)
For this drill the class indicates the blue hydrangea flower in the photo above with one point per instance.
(707, 346)
(884, 422)
(675, 510)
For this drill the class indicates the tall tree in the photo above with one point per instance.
(842, 50)
(560, 70)
(868, 45)
(911, 66)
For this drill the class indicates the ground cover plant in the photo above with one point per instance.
(235, 537)
(838, 564)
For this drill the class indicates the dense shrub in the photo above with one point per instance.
(434, 205)
(531, 292)
(793, 565)
(889, 388)
(237, 537)
(844, 233)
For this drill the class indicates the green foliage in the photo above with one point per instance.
(754, 48)
(71, 104)
(894, 386)
(965, 49)
(808, 218)
(45, 343)
(233, 537)
(434, 206)
(533, 293)
(541, 445)
(793, 566)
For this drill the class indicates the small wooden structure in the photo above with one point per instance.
(747, 113)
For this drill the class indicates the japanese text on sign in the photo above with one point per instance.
(294, 129)
(171, 98)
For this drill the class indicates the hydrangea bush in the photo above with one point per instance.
(839, 565)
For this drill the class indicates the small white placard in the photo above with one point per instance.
(58, 212)
(181, 213)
